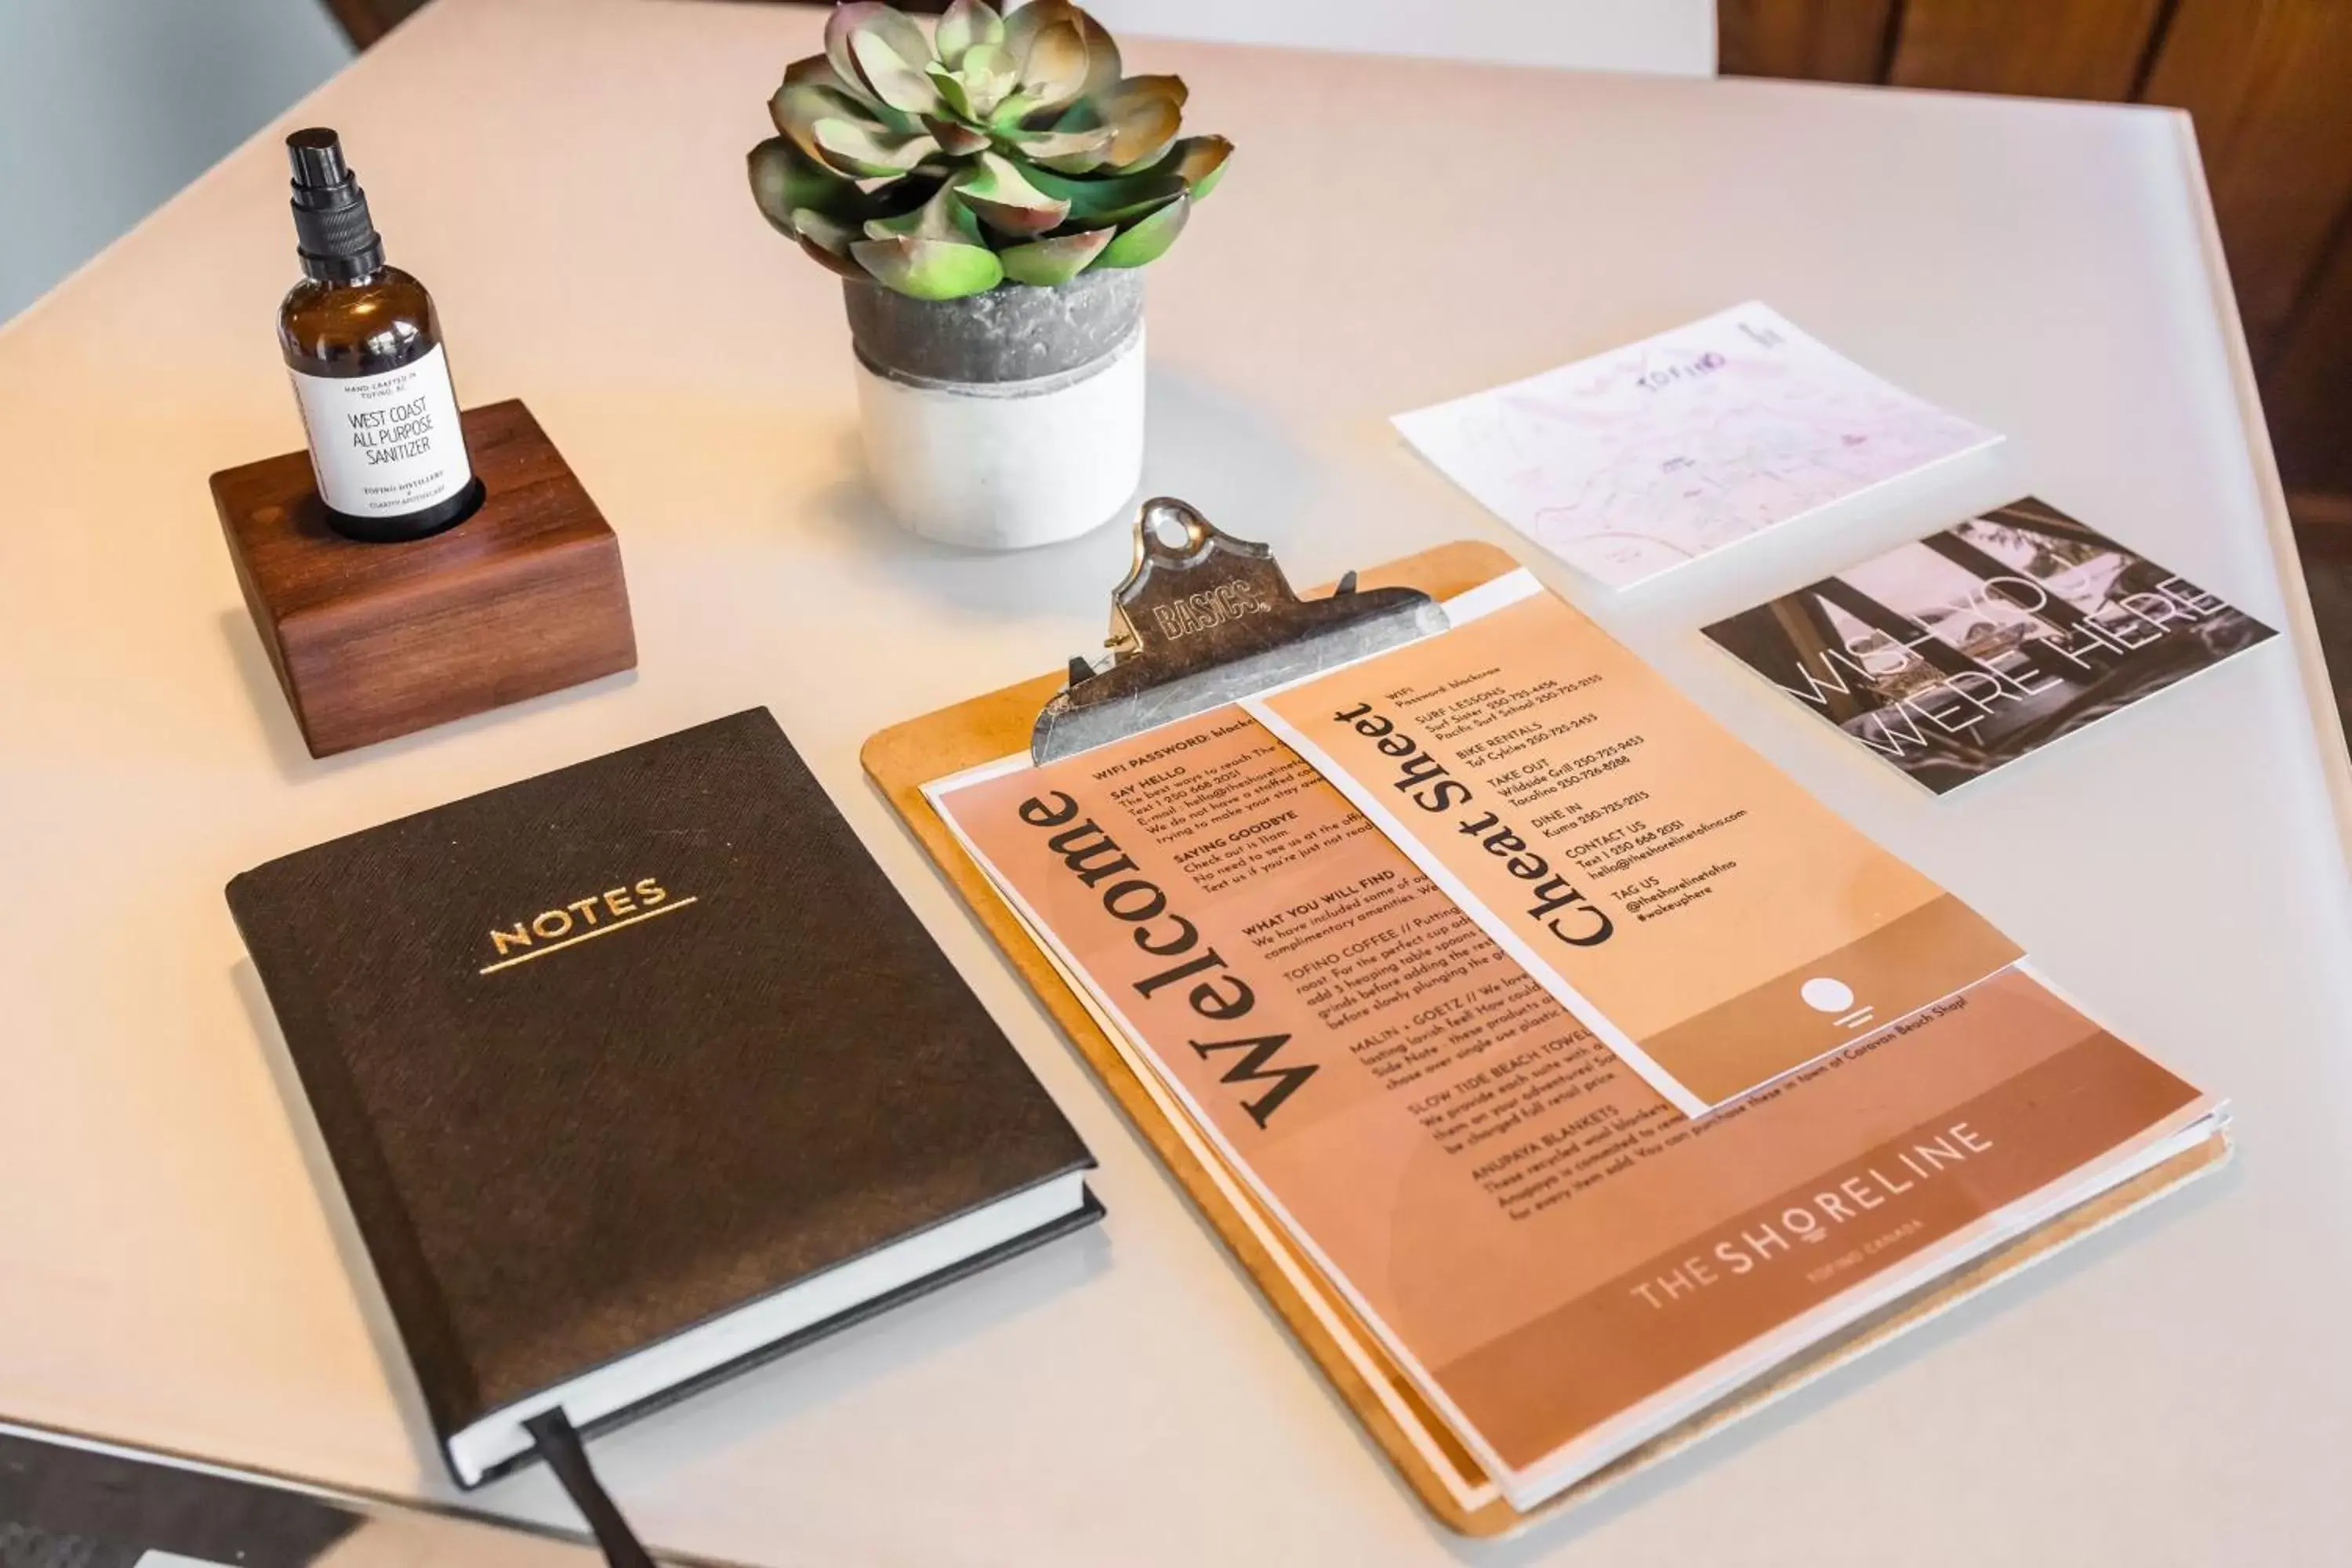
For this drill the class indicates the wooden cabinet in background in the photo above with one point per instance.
(367, 20)
(2038, 48)
(2269, 84)
(1811, 42)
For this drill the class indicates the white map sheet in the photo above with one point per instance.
(1636, 460)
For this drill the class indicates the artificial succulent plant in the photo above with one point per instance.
(998, 148)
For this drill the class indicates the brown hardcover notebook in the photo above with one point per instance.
(639, 1072)
(1413, 1436)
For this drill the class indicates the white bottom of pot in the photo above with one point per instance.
(1007, 465)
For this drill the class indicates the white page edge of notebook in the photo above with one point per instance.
(709, 1345)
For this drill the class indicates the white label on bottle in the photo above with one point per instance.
(385, 445)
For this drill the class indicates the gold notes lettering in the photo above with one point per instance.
(565, 925)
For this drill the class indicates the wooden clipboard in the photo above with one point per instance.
(904, 758)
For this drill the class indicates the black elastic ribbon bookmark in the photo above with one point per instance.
(559, 1445)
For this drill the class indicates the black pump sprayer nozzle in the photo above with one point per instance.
(333, 232)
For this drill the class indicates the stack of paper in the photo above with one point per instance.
(1577, 1067)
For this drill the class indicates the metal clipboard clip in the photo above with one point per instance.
(1203, 619)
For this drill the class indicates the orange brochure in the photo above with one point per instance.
(1563, 1263)
(1711, 921)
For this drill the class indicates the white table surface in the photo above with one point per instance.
(567, 175)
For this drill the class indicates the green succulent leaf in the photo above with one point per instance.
(929, 269)
(1148, 241)
(1198, 160)
(824, 231)
(940, 217)
(950, 87)
(815, 71)
(838, 23)
(1142, 113)
(1116, 198)
(812, 92)
(845, 265)
(1046, 262)
(1005, 119)
(826, 241)
(1003, 199)
(962, 25)
(868, 151)
(1103, 66)
(1025, 27)
(784, 178)
(898, 79)
(1070, 152)
(1023, 23)
(956, 139)
(1054, 71)
(876, 25)
(988, 73)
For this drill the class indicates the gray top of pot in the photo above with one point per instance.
(1011, 333)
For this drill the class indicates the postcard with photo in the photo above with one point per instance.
(1959, 653)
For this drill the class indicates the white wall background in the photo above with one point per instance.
(107, 106)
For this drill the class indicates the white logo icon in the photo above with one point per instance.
(1823, 994)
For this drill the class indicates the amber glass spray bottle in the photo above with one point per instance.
(364, 347)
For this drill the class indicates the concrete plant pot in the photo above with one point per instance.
(1005, 419)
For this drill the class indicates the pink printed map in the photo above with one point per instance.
(1634, 461)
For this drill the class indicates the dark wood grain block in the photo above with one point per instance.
(370, 641)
